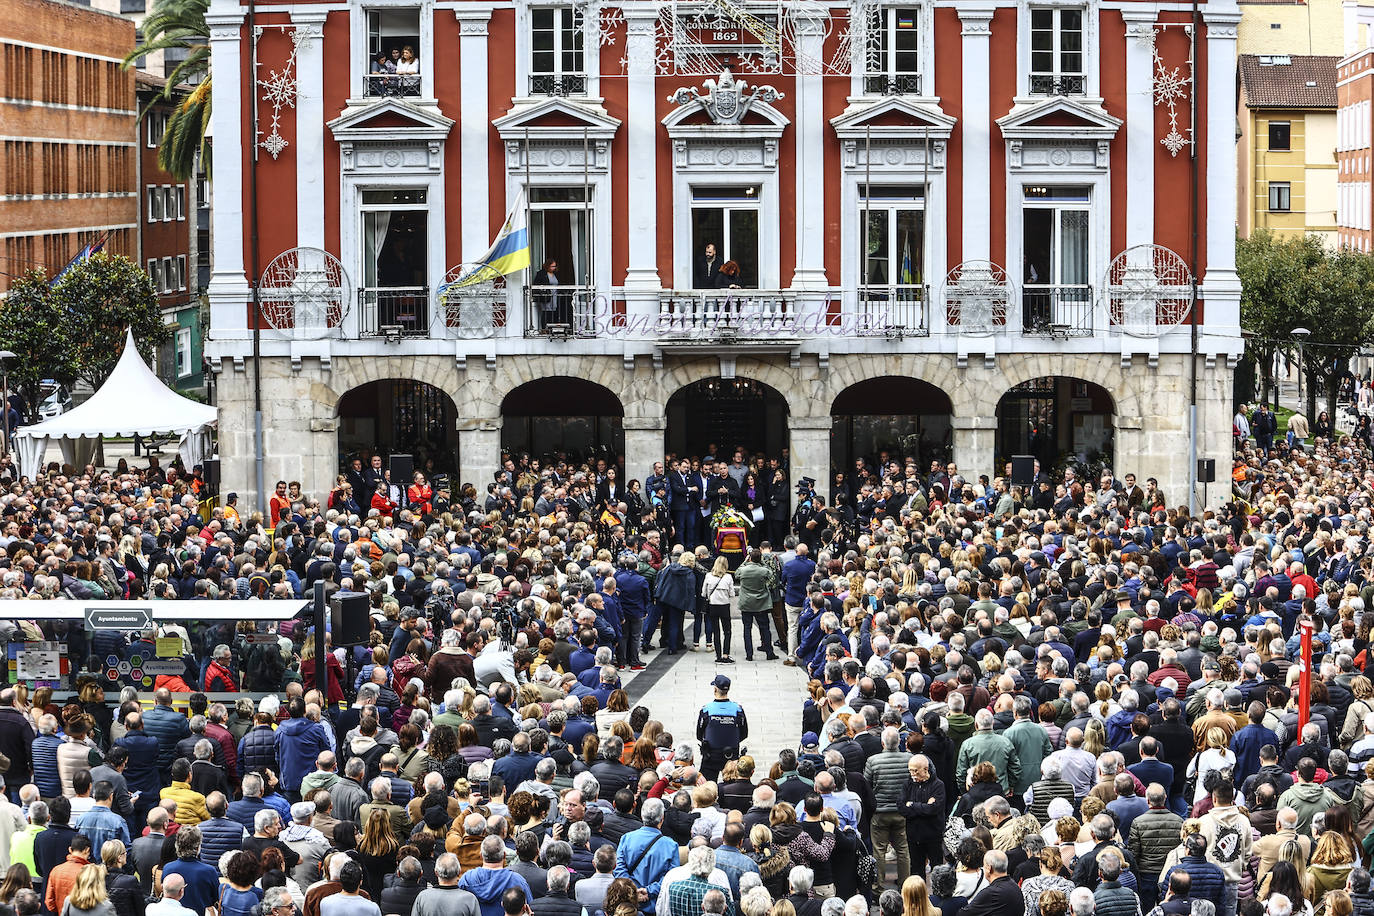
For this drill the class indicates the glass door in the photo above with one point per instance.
(728, 219)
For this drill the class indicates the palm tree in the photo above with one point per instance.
(180, 24)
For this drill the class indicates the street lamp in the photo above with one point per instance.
(1301, 334)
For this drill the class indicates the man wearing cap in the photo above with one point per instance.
(721, 726)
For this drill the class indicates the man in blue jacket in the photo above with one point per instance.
(493, 879)
(1246, 743)
(168, 726)
(141, 774)
(645, 855)
(633, 591)
(299, 742)
(796, 574)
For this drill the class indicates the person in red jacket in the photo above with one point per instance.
(335, 669)
(418, 494)
(218, 676)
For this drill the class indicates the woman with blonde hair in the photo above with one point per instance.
(916, 898)
(1331, 864)
(1049, 879)
(1095, 735)
(617, 710)
(1362, 689)
(718, 588)
(378, 851)
(88, 896)
(1217, 755)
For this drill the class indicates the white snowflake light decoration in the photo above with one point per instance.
(1172, 87)
(279, 91)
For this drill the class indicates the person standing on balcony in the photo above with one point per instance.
(706, 271)
(549, 301)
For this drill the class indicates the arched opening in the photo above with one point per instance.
(889, 418)
(573, 417)
(1058, 419)
(399, 417)
(716, 416)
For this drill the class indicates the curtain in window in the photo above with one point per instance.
(1073, 247)
(376, 224)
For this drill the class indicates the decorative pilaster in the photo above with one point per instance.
(472, 131)
(809, 455)
(643, 445)
(1140, 127)
(1222, 286)
(976, 129)
(810, 22)
(641, 137)
(228, 289)
(309, 39)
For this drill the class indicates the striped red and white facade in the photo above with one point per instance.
(956, 192)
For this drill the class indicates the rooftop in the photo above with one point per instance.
(1289, 80)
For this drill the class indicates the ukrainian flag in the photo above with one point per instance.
(508, 254)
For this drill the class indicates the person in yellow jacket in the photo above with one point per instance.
(190, 803)
(21, 844)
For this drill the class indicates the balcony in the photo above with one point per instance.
(377, 85)
(725, 316)
(560, 312)
(902, 84)
(394, 311)
(558, 84)
(1058, 84)
(1057, 311)
(894, 312)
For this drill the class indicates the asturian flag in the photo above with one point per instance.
(92, 249)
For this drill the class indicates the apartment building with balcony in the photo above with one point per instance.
(961, 231)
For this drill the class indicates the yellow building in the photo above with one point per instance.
(1286, 169)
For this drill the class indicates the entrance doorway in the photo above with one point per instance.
(890, 418)
(717, 416)
(400, 417)
(1058, 420)
(555, 418)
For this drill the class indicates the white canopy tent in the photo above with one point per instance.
(132, 402)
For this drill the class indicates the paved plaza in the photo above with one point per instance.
(675, 687)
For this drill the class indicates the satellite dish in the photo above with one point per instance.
(305, 293)
(473, 299)
(976, 295)
(1149, 290)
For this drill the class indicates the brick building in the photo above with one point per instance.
(168, 243)
(68, 172)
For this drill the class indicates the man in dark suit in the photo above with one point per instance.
(706, 269)
(684, 488)
(1150, 768)
(721, 488)
(374, 478)
(1001, 895)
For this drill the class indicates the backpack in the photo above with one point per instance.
(866, 866)
(955, 831)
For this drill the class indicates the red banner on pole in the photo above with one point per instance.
(1304, 675)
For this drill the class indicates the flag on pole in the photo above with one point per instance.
(908, 277)
(93, 248)
(509, 253)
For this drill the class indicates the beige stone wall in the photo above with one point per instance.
(300, 426)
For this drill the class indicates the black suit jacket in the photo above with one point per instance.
(706, 275)
(1000, 898)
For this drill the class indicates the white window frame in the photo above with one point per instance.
(157, 128)
(154, 194)
(168, 282)
(1091, 10)
(524, 48)
(180, 192)
(727, 206)
(563, 32)
(181, 272)
(891, 206)
(1270, 188)
(925, 49)
(183, 352)
(155, 274)
(768, 239)
(358, 31)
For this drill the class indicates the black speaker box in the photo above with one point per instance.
(348, 618)
(402, 466)
(1206, 470)
(1022, 470)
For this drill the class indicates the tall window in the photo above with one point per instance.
(183, 352)
(1056, 238)
(394, 255)
(157, 126)
(726, 218)
(893, 58)
(891, 239)
(558, 232)
(1057, 66)
(1280, 198)
(556, 61)
(393, 52)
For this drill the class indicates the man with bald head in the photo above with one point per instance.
(173, 888)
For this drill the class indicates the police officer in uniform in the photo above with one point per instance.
(809, 519)
(721, 727)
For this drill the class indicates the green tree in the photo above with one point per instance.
(100, 298)
(180, 25)
(35, 329)
(1270, 298)
(1338, 308)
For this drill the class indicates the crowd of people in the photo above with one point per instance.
(1063, 698)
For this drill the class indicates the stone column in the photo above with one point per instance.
(1140, 127)
(643, 445)
(809, 128)
(975, 445)
(976, 128)
(228, 289)
(809, 444)
(1222, 286)
(472, 132)
(309, 37)
(479, 451)
(641, 141)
